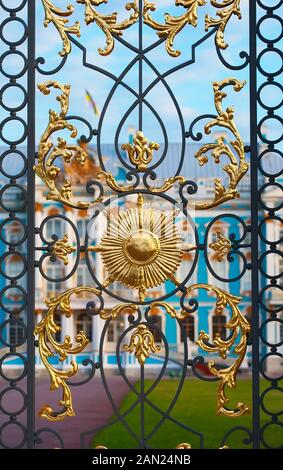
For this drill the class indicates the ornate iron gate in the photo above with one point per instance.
(135, 237)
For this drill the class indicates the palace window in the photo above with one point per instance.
(114, 330)
(219, 326)
(16, 332)
(54, 227)
(83, 275)
(54, 271)
(189, 327)
(155, 332)
(84, 323)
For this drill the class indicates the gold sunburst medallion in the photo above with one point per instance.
(140, 248)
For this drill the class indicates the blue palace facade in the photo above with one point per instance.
(204, 318)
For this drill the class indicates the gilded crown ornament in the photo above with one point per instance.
(141, 247)
(140, 152)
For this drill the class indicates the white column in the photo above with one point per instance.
(97, 327)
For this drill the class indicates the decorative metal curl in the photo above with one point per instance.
(235, 169)
(47, 153)
(238, 325)
(45, 330)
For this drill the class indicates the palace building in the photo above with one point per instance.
(53, 275)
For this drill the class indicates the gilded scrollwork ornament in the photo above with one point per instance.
(236, 342)
(48, 346)
(109, 23)
(226, 9)
(172, 25)
(111, 27)
(58, 18)
(45, 168)
(237, 167)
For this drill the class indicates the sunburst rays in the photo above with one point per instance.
(141, 247)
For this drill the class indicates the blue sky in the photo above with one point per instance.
(192, 86)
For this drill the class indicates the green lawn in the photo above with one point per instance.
(195, 407)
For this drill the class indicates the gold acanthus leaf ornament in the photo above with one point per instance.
(173, 24)
(46, 330)
(108, 23)
(59, 19)
(240, 329)
(61, 249)
(141, 248)
(222, 246)
(228, 9)
(237, 167)
(111, 27)
(142, 342)
(166, 185)
(45, 168)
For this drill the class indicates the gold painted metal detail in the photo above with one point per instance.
(45, 168)
(168, 309)
(237, 167)
(118, 310)
(45, 330)
(112, 183)
(59, 19)
(141, 248)
(222, 246)
(140, 151)
(228, 9)
(142, 342)
(240, 328)
(108, 23)
(173, 24)
(61, 249)
(184, 445)
(167, 184)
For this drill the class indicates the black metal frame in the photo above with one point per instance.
(31, 436)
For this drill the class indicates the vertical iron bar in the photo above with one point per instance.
(254, 224)
(30, 226)
(140, 65)
(142, 443)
